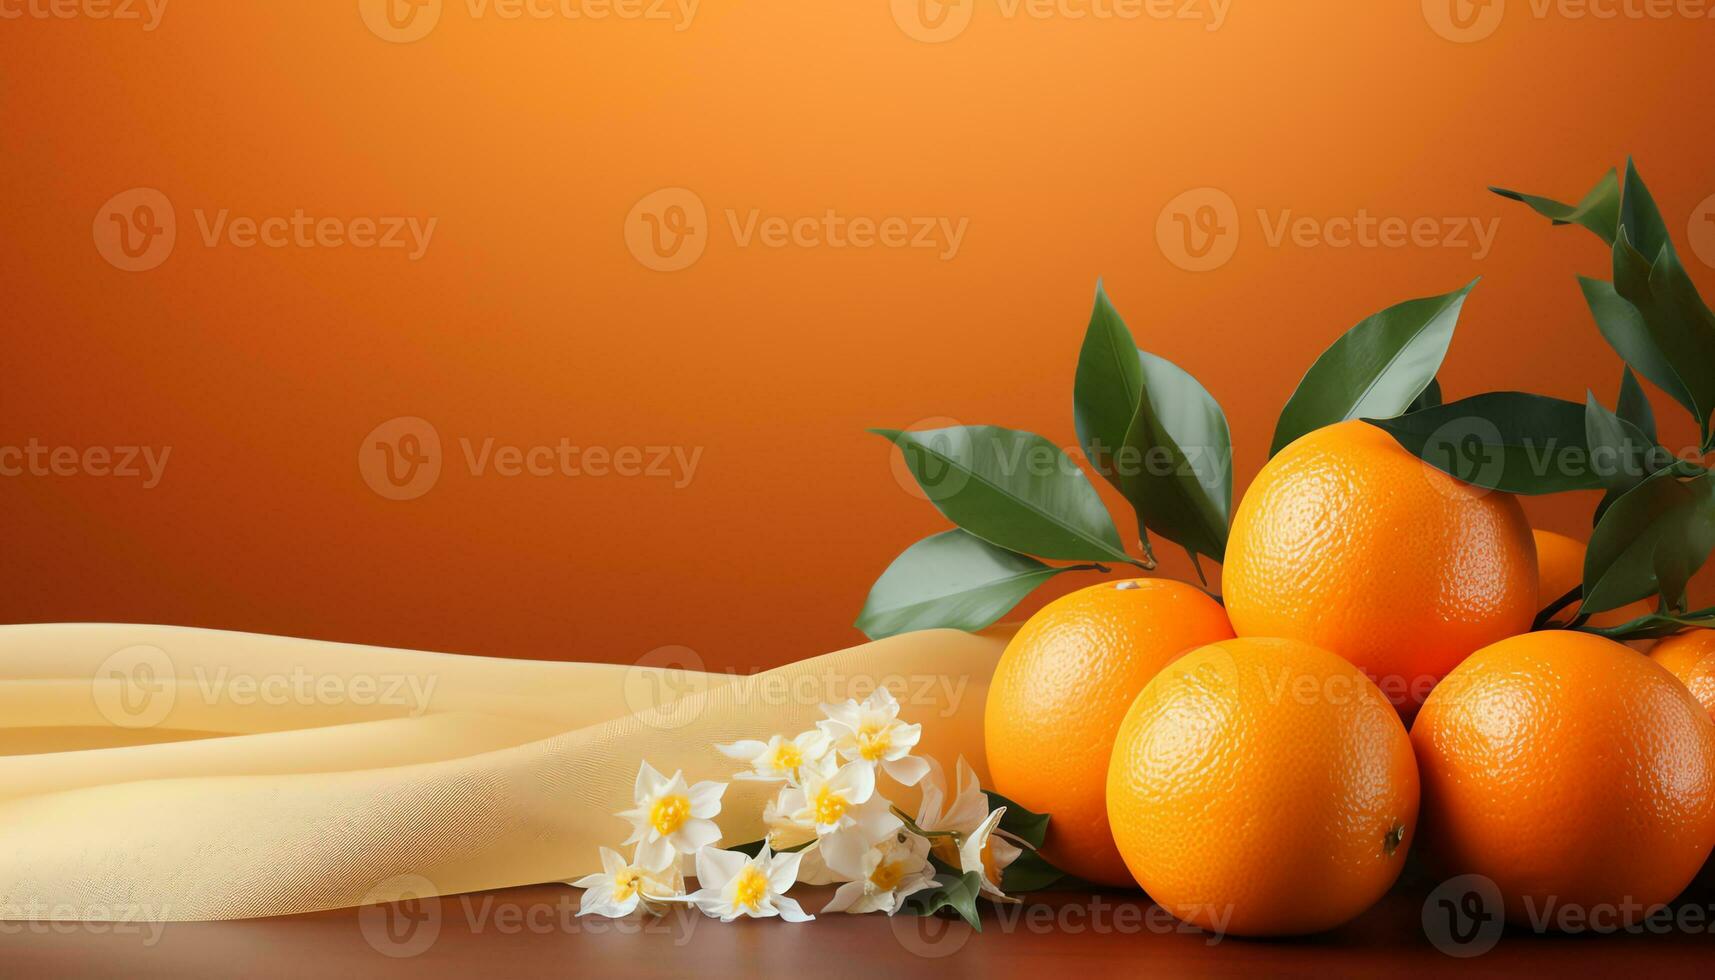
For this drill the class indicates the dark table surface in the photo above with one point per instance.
(534, 931)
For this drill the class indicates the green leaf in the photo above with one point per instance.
(1377, 369)
(1176, 467)
(1015, 490)
(1640, 219)
(952, 580)
(1622, 326)
(1108, 385)
(1503, 440)
(1678, 324)
(1599, 211)
(1621, 456)
(956, 892)
(1430, 398)
(1634, 405)
(1029, 872)
(1032, 828)
(1156, 434)
(1672, 511)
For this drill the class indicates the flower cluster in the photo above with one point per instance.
(828, 823)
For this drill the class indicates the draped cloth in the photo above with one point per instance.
(164, 774)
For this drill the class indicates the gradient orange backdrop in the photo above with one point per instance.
(528, 319)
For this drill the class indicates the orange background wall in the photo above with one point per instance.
(528, 319)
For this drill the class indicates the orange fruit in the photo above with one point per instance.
(1560, 569)
(1571, 771)
(1263, 787)
(1691, 658)
(1059, 693)
(1350, 543)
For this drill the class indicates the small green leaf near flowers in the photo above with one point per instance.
(955, 892)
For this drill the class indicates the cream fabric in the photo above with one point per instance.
(163, 773)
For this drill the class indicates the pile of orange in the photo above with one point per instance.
(1267, 784)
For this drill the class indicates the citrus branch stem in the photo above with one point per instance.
(1543, 618)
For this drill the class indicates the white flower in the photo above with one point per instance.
(873, 733)
(961, 814)
(732, 884)
(621, 888)
(980, 852)
(884, 876)
(967, 815)
(670, 817)
(829, 798)
(778, 758)
(779, 815)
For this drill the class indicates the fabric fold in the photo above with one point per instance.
(166, 774)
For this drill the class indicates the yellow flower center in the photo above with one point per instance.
(873, 744)
(669, 814)
(787, 757)
(750, 888)
(886, 877)
(829, 807)
(626, 884)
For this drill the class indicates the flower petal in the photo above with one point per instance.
(716, 867)
(908, 770)
(855, 781)
(648, 785)
(706, 799)
(651, 853)
(743, 750)
(790, 910)
(694, 835)
(844, 898)
(782, 870)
